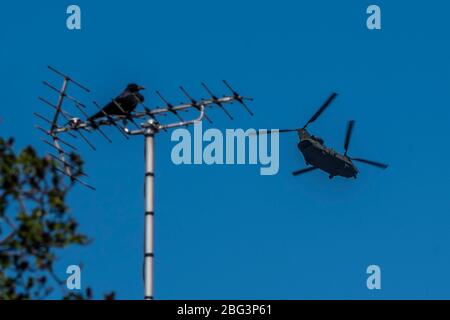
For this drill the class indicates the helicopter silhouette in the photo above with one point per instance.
(318, 156)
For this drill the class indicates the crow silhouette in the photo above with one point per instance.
(127, 100)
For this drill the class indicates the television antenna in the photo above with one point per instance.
(80, 127)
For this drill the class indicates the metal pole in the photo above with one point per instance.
(149, 214)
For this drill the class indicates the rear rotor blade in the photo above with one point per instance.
(370, 162)
(348, 135)
(305, 170)
(322, 109)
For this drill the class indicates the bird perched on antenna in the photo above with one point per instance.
(123, 104)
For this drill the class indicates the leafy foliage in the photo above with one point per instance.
(34, 223)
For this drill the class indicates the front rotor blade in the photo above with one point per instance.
(373, 163)
(348, 135)
(305, 170)
(322, 109)
(271, 130)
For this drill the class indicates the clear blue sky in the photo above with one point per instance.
(226, 231)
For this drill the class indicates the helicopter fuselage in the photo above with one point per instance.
(318, 155)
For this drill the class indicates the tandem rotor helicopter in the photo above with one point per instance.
(318, 156)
